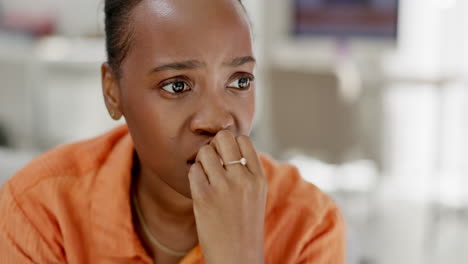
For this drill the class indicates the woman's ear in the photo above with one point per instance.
(111, 91)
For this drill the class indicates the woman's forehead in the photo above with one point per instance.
(194, 29)
(171, 9)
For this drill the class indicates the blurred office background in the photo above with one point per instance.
(368, 98)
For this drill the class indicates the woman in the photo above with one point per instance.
(181, 182)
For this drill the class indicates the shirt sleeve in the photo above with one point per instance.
(327, 244)
(20, 240)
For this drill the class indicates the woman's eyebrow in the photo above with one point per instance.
(240, 61)
(193, 64)
(182, 65)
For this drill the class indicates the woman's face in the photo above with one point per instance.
(188, 75)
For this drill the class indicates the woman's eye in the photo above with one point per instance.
(241, 83)
(175, 87)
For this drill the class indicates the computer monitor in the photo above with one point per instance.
(346, 18)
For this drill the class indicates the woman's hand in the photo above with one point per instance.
(229, 201)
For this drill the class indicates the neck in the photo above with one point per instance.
(162, 204)
(167, 214)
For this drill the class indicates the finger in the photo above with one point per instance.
(211, 164)
(247, 150)
(198, 181)
(227, 148)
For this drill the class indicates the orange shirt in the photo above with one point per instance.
(71, 205)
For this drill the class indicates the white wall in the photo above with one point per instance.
(73, 17)
(257, 11)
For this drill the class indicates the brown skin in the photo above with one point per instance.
(221, 207)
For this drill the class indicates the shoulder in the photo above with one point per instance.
(297, 211)
(52, 194)
(57, 179)
(287, 187)
(65, 163)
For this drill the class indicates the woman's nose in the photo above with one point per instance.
(213, 116)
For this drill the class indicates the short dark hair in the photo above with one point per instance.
(118, 31)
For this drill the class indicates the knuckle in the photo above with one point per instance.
(215, 141)
(223, 134)
(244, 139)
(204, 149)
